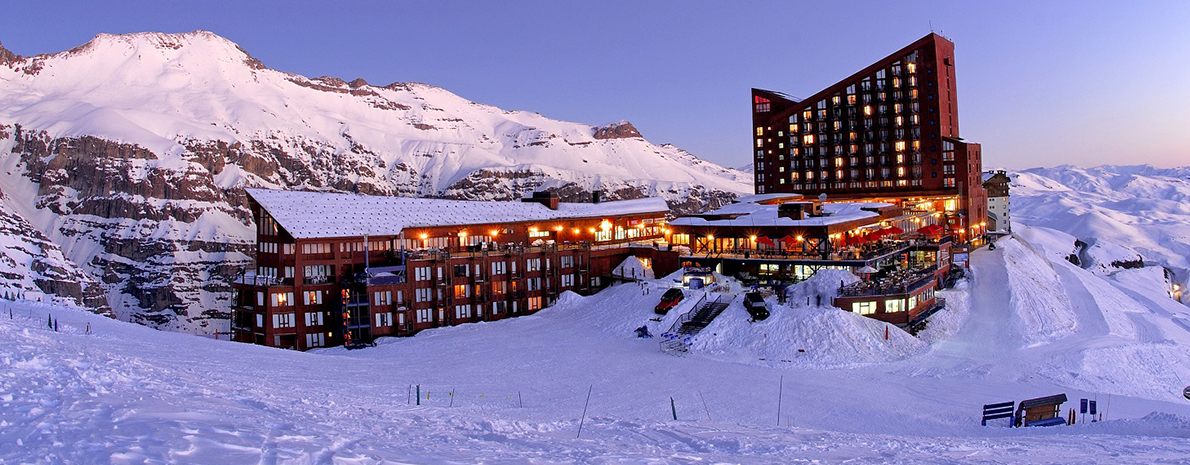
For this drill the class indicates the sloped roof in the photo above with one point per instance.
(309, 215)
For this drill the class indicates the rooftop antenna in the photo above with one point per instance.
(931, 25)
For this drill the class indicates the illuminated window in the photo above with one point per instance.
(867, 110)
(808, 139)
(760, 131)
(864, 308)
(900, 145)
(894, 305)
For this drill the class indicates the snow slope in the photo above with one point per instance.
(1120, 212)
(514, 391)
(164, 91)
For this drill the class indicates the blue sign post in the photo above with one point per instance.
(1082, 406)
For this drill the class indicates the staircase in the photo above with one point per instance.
(680, 335)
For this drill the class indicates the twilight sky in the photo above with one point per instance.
(1039, 83)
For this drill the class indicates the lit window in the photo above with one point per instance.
(760, 131)
(867, 110)
(864, 308)
(808, 139)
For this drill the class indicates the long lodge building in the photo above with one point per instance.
(336, 269)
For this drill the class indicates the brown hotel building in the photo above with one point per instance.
(889, 132)
(337, 269)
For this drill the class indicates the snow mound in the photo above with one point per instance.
(633, 268)
(825, 283)
(806, 335)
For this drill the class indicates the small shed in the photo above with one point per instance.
(1042, 411)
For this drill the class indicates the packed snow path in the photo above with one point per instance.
(513, 391)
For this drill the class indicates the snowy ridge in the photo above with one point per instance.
(1121, 212)
(132, 152)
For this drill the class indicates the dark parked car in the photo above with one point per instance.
(669, 300)
(754, 303)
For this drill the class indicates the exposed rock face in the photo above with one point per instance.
(155, 213)
(618, 130)
(33, 267)
(7, 57)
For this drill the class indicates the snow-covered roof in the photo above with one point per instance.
(308, 215)
(753, 214)
(768, 197)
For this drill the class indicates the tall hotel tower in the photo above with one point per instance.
(889, 132)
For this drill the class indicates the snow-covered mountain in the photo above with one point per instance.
(132, 151)
(1117, 213)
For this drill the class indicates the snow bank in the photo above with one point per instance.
(808, 336)
(633, 268)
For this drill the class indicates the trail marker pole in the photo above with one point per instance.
(418, 394)
(519, 400)
(704, 405)
(584, 417)
(780, 390)
(409, 395)
(452, 398)
(673, 408)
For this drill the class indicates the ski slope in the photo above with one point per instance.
(129, 394)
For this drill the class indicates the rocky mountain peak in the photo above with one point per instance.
(7, 57)
(617, 130)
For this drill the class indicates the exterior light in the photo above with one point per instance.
(533, 229)
(605, 225)
(591, 230)
(495, 232)
(462, 233)
(424, 236)
(575, 231)
(753, 238)
(558, 228)
(710, 237)
(799, 238)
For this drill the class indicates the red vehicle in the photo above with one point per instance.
(669, 300)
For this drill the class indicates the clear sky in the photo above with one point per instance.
(1040, 83)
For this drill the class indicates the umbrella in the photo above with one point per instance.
(789, 240)
(894, 230)
(930, 229)
(859, 239)
(765, 241)
(875, 235)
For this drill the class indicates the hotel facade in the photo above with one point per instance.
(889, 132)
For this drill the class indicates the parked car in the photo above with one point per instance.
(754, 303)
(669, 300)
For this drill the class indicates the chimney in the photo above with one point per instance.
(547, 198)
